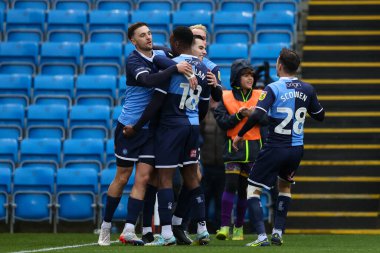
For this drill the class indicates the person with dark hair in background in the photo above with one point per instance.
(286, 102)
(231, 114)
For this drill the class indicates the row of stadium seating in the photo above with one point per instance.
(108, 58)
(148, 5)
(111, 26)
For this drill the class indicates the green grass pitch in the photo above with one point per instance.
(292, 244)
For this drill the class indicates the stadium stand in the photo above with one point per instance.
(53, 89)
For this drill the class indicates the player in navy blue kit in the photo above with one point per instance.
(142, 76)
(286, 102)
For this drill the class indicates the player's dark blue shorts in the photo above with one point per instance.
(176, 146)
(275, 162)
(138, 148)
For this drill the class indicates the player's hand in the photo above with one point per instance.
(193, 81)
(211, 79)
(185, 68)
(128, 131)
(244, 111)
(236, 142)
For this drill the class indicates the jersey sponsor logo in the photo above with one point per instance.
(193, 153)
(292, 85)
(263, 95)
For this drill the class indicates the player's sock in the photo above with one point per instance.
(149, 201)
(135, 206)
(165, 205)
(241, 207)
(111, 206)
(199, 208)
(146, 230)
(227, 205)
(176, 221)
(282, 206)
(167, 232)
(277, 231)
(183, 202)
(256, 214)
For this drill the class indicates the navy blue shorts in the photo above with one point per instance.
(272, 163)
(138, 148)
(176, 146)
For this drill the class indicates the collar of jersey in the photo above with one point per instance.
(288, 77)
(187, 55)
(149, 59)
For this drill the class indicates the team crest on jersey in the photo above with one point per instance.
(263, 95)
(125, 151)
(193, 153)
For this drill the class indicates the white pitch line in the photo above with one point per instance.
(59, 248)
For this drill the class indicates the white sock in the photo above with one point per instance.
(129, 228)
(176, 221)
(146, 230)
(262, 237)
(201, 227)
(166, 231)
(106, 225)
(278, 231)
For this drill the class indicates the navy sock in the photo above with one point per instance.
(165, 205)
(183, 203)
(282, 206)
(256, 215)
(111, 205)
(198, 200)
(135, 206)
(149, 201)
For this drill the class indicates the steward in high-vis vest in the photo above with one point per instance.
(231, 114)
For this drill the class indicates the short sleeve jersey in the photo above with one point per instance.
(287, 101)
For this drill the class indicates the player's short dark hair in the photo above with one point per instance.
(183, 35)
(290, 60)
(132, 28)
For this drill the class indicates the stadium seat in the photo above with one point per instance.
(275, 20)
(60, 58)
(83, 5)
(25, 25)
(122, 87)
(190, 5)
(3, 5)
(150, 5)
(89, 122)
(47, 121)
(189, 18)
(1, 21)
(76, 195)
(15, 89)
(8, 153)
(53, 89)
(279, 5)
(123, 5)
(225, 54)
(128, 48)
(226, 81)
(33, 194)
(108, 26)
(270, 36)
(110, 154)
(268, 52)
(40, 152)
(31, 4)
(102, 58)
(233, 27)
(5, 190)
(11, 121)
(83, 153)
(96, 90)
(66, 25)
(238, 5)
(115, 115)
(159, 20)
(18, 57)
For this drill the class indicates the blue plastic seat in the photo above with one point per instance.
(25, 25)
(225, 54)
(18, 57)
(115, 115)
(233, 27)
(159, 20)
(108, 26)
(259, 53)
(1, 20)
(66, 25)
(190, 5)
(106, 178)
(31, 4)
(53, 89)
(60, 58)
(123, 5)
(189, 18)
(110, 154)
(275, 20)
(76, 195)
(5, 190)
(102, 58)
(279, 5)
(8, 153)
(226, 81)
(150, 5)
(12, 118)
(15, 89)
(128, 48)
(238, 5)
(83, 5)
(40, 152)
(96, 90)
(83, 153)
(47, 121)
(33, 194)
(122, 86)
(3, 5)
(274, 36)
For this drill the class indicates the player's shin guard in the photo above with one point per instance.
(149, 201)
(282, 206)
(111, 205)
(256, 214)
